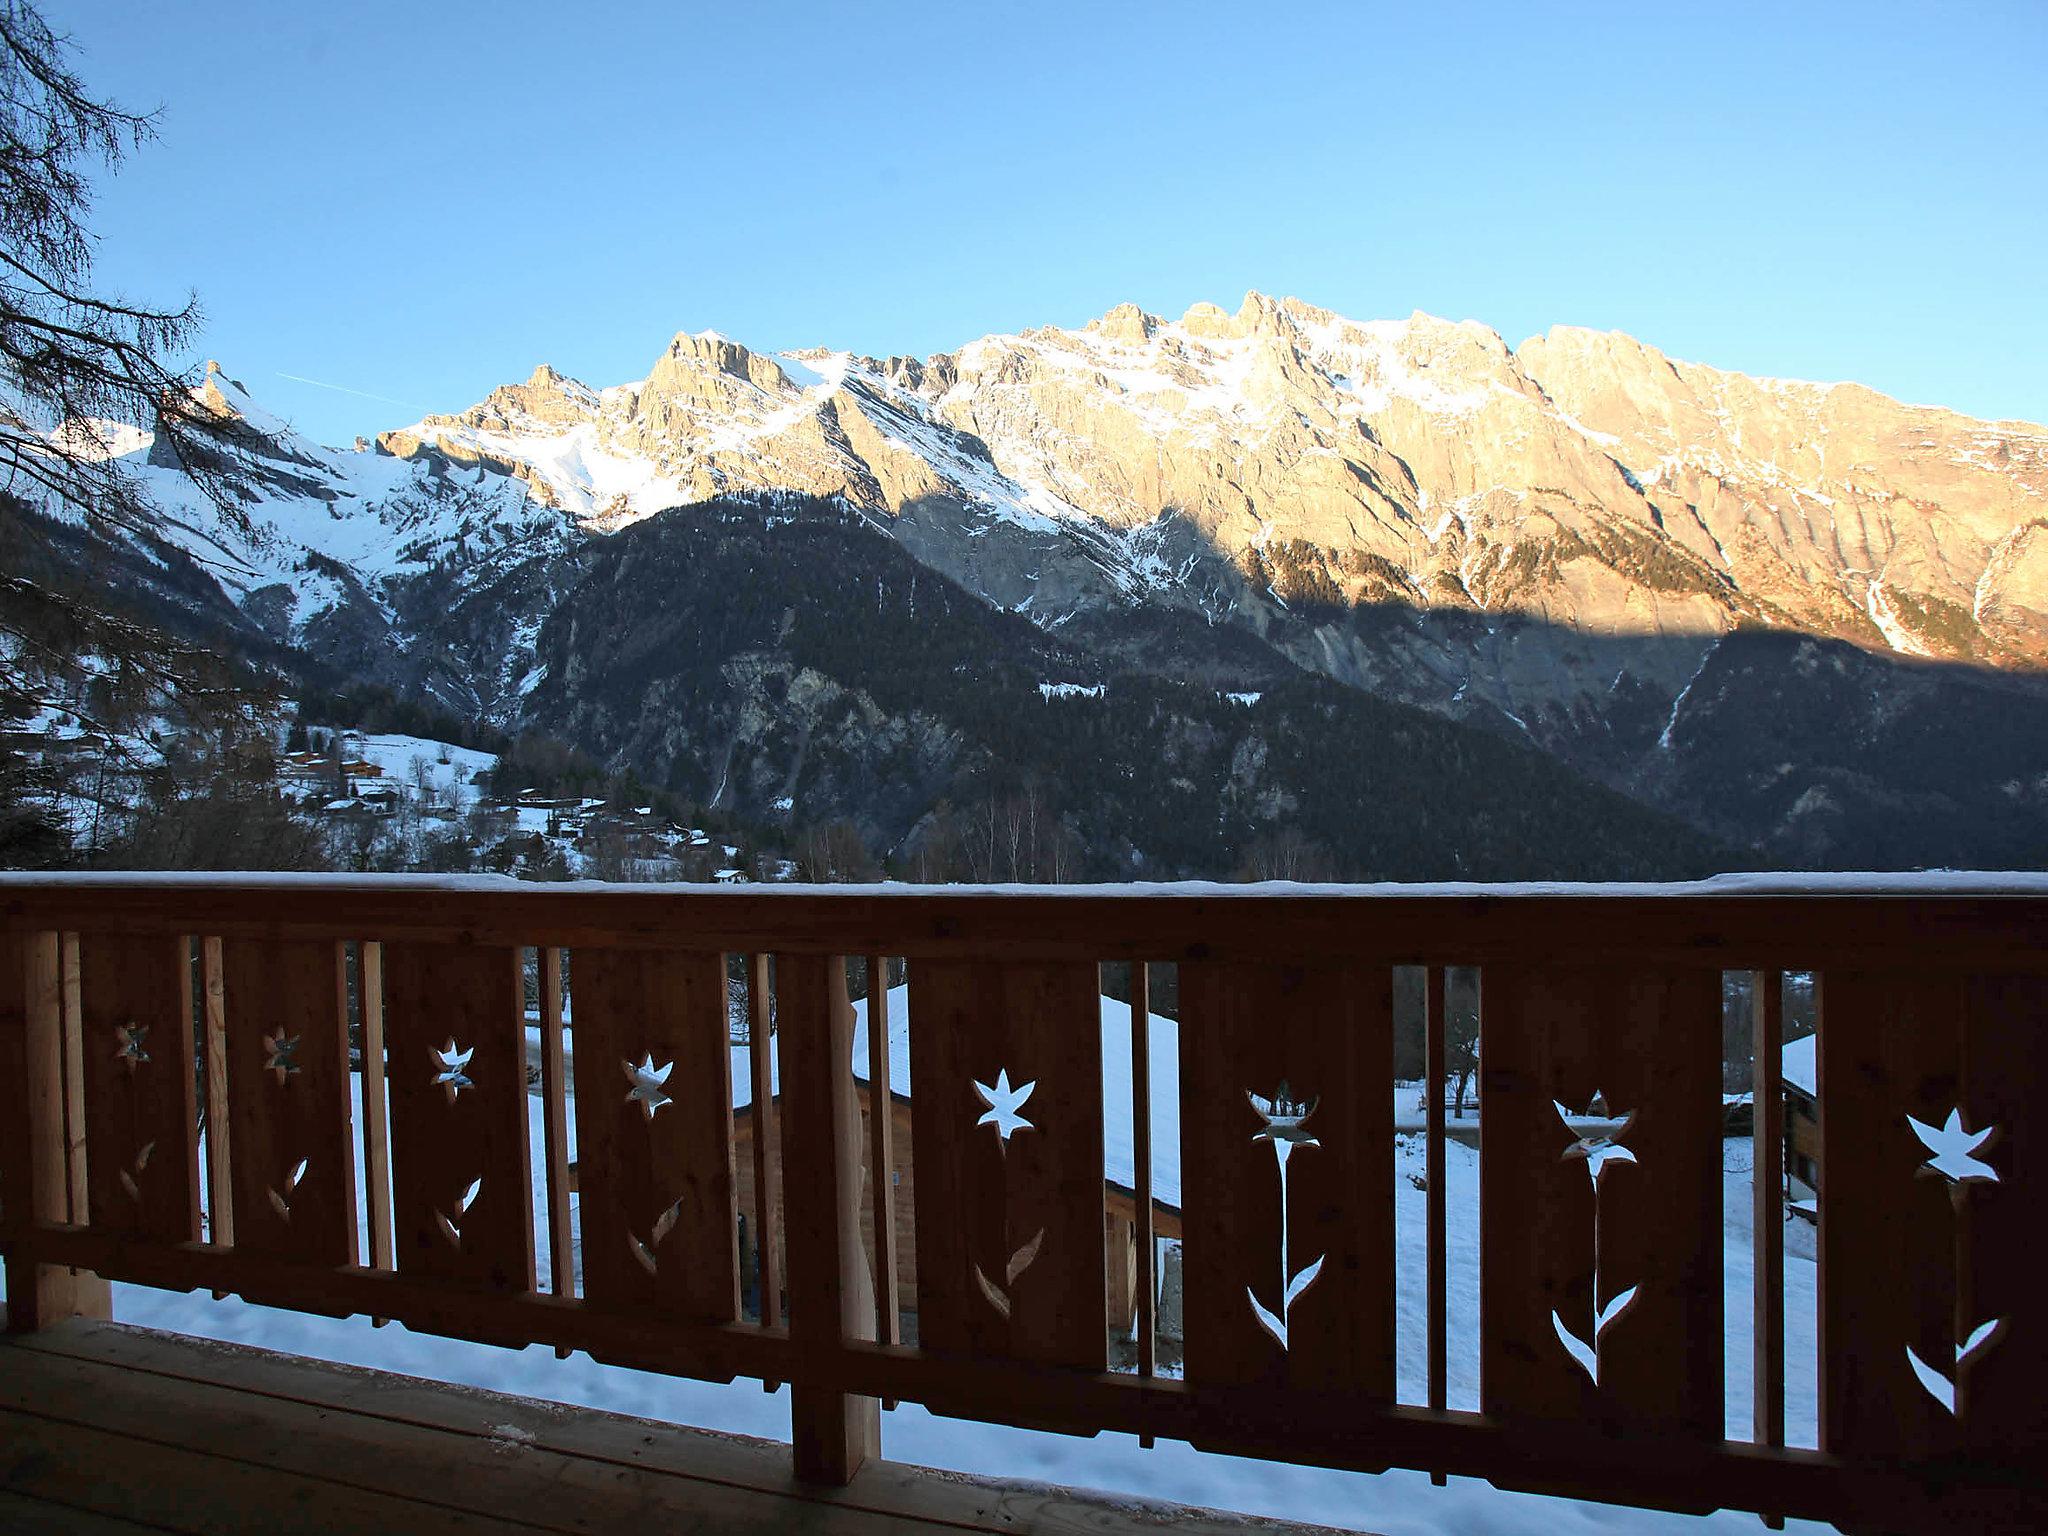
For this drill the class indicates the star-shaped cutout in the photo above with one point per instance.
(131, 1036)
(648, 1081)
(1003, 1102)
(1598, 1151)
(453, 1064)
(280, 1053)
(1952, 1146)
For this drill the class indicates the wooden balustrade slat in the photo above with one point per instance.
(220, 1200)
(2004, 1409)
(655, 1179)
(17, 1148)
(1435, 1234)
(554, 1094)
(1320, 1034)
(1648, 1039)
(141, 1114)
(462, 1188)
(290, 1120)
(76, 1194)
(1011, 1257)
(767, 1144)
(1896, 1242)
(1888, 1048)
(881, 1154)
(1767, 1210)
(831, 1297)
(1143, 1240)
(37, 1179)
(376, 1107)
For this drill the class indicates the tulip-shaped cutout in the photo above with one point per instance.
(1599, 1152)
(1281, 1126)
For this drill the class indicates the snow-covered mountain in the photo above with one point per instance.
(1582, 478)
(1555, 540)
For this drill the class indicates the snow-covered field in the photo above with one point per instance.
(1393, 1503)
(452, 770)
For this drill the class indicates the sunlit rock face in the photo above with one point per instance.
(1582, 478)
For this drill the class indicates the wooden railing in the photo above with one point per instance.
(128, 1007)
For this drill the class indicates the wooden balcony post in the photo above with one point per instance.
(36, 1077)
(831, 1296)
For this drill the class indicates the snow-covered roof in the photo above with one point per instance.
(1799, 1066)
(1118, 1143)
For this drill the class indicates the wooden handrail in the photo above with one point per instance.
(1601, 1317)
(1738, 923)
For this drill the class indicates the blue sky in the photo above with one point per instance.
(422, 201)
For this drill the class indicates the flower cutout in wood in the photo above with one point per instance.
(1599, 1150)
(663, 1225)
(280, 1054)
(1002, 1115)
(1952, 1153)
(648, 1081)
(282, 1202)
(1003, 1102)
(451, 1226)
(1282, 1126)
(129, 1039)
(129, 1176)
(1952, 1148)
(453, 1067)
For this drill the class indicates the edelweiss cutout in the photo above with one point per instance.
(1003, 1102)
(1598, 1151)
(648, 1082)
(128, 1038)
(1952, 1151)
(1282, 1127)
(280, 1054)
(453, 1067)
(1002, 1116)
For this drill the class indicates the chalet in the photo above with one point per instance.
(381, 799)
(1800, 1071)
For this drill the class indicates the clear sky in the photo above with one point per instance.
(422, 201)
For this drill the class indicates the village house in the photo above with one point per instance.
(1799, 1067)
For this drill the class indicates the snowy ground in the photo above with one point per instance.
(453, 769)
(1394, 1503)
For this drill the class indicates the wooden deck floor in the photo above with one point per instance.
(110, 1429)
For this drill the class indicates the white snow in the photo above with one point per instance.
(1885, 615)
(1051, 691)
(1799, 1065)
(1678, 703)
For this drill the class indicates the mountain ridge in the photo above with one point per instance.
(1557, 552)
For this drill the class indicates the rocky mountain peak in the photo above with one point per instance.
(697, 365)
(1126, 322)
